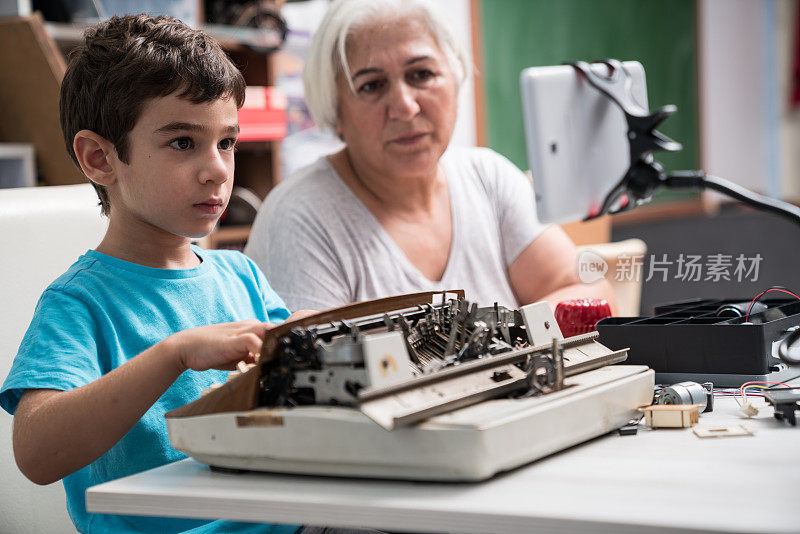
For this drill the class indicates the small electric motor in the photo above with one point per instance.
(688, 393)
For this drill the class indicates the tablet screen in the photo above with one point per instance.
(576, 139)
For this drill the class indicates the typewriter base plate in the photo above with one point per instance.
(469, 444)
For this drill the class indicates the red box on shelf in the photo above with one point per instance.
(263, 116)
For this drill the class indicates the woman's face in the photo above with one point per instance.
(401, 116)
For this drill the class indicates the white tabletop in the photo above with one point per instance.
(664, 480)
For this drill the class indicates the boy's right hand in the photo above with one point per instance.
(219, 346)
(58, 432)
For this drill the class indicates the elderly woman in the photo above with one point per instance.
(396, 211)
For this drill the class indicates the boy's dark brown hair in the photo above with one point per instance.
(125, 61)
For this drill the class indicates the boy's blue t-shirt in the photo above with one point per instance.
(104, 311)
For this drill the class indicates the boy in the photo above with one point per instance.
(149, 113)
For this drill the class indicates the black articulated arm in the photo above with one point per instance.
(645, 175)
(700, 180)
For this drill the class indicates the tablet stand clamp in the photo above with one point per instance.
(645, 175)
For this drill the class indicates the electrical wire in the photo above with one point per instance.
(723, 393)
(785, 346)
(734, 394)
(757, 297)
(753, 386)
(757, 384)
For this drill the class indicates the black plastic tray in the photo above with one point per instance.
(689, 337)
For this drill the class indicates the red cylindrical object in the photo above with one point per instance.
(579, 316)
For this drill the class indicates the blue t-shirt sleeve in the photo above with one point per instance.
(58, 351)
(277, 312)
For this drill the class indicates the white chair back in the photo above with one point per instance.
(43, 230)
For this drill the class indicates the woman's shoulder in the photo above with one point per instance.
(456, 153)
(311, 177)
(306, 187)
(312, 204)
(480, 161)
(482, 167)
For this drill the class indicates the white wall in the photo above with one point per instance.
(789, 118)
(748, 132)
(15, 8)
(738, 134)
(457, 12)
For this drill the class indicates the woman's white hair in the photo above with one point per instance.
(327, 57)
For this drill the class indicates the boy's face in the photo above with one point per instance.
(179, 174)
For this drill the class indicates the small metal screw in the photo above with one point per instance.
(547, 325)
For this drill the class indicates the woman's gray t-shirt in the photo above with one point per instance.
(321, 248)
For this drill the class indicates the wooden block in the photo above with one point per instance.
(722, 431)
(671, 415)
(32, 68)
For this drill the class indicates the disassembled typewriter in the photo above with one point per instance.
(425, 366)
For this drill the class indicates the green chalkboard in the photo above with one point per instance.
(523, 33)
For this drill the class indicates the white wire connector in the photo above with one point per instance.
(749, 410)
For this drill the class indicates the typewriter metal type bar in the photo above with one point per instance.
(403, 366)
